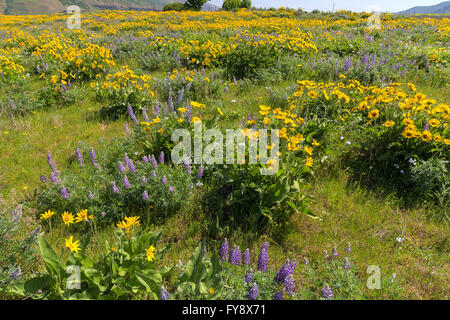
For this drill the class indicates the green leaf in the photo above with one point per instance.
(53, 263)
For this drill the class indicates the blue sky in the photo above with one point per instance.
(327, 5)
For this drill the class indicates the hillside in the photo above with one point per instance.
(443, 7)
(23, 7)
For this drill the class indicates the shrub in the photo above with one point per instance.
(176, 6)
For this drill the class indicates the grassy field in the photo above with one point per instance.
(410, 240)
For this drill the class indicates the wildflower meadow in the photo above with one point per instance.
(239, 154)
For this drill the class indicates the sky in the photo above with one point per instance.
(354, 5)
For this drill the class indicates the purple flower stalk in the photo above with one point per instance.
(130, 165)
(263, 257)
(253, 292)
(249, 276)
(286, 270)
(327, 293)
(279, 295)
(153, 174)
(247, 256)
(114, 188)
(153, 161)
(164, 294)
(145, 196)
(145, 159)
(145, 115)
(223, 253)
(200, 172)
(161, 157)
(131, 114)
(64, 193)
(127, 130)
(289, 284)
(54, 177)
(93, 157)
(126, 183)
(16, 273)
(121, 167)
(144, 180)
(164, 180)
(43, 179)
(80, 157)
(50, 161)
(346, 265)
(187, 167)
(334, 252)
(235, 256)
(171, 189)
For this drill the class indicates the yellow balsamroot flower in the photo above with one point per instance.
(220, 111)
(315, 143)
(309, 162)
(309, 150)
(362, 106)
(197, 105)
(73, 246)
(160, 130)
(426, 135)
(93, 85)
(266, 121)
(313, 94)
(129, 223)
(434, 122)
(180, 120)
(196, 119)
(374, 114)
(48, 214)
(81, 216)
(156, 120)
(437, 138)
(447, 141)
(388, 124)
(182, 110)
(150, 253)
(68, 218)
(211, 290)
(408, 134)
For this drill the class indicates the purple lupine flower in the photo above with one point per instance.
(127, 129)
(80, 157)
(126, 183)
(93, 157)
(246, 256)
(327, 293)
(188, 86)
(223, 253)
(249, 276)
(64, 193)
(200, 172)
(153, 174)
(164, 180)
(130, 165)
(279, 295)
(131, 114)
(346, 265)
(347, 248)
(43, 179)
(289, 284)
(187, 167)
(16, 273)
(334, 252)
(263, 257)
(145, 159)
(170, 102)
(348, 64)
(156, 110)
(50, 161)
(114, 188)
(91, 195)
(54, 177)
(365, 59)
(164, 294)
(287, 269)
(161, 157)
(180, 96)
(153, 161)
(145, 115)
(145, 196)
(121, 167)
(16, 214)
(235, 82)
(144, 180)
(235, 256)
(253, 292)
(171, 189)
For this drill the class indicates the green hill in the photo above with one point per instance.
(23, 7)
(441, 8)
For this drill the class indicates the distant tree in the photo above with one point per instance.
(236, 4)
(176, 6)
(315, 11)
(194, 4)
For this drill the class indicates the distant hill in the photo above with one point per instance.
(23, 7)
(440, 8)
